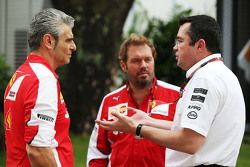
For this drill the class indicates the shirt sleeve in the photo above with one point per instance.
(200, 105)
(99, 146)
(41, 108)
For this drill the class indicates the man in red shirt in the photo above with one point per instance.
(142, 91)
(36, 121)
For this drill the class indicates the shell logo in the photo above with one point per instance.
(123, 109)
(8, 121)
(12, 80)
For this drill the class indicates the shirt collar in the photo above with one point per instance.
(39, 59)
(198, 64)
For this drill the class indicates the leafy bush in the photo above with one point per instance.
(163, 34)
(4, 79)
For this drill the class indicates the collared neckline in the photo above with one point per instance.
(40, 59)
(150, 93)
(198, 64)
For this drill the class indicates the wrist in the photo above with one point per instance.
(148, 121)
(138, 130)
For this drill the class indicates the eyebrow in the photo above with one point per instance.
(178, 37)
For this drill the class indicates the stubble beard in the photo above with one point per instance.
(143, 83)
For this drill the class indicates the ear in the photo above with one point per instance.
(201, 44)
(123, 66)
(49, 41)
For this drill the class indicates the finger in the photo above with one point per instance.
(102, 122)
(117, 115)
(108, 125)
(105, 127)
(98, 121)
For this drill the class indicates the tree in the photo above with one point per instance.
(88, 77)
(4, 79)
(163, 34)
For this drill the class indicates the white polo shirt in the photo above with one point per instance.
(212, 105)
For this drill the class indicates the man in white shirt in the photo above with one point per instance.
(210, 117)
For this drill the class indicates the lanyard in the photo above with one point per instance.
(150, 96)
(192, 74)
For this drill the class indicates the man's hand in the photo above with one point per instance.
(124, 123)
(120, 123)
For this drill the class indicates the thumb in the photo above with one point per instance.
(117, 114)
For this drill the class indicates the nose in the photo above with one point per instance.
(175, 46)
(73, 46)
(143, 63)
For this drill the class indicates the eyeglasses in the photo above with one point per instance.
(178, 41)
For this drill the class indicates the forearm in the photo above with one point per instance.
(157, 123)
(184, 140)
(41, 156)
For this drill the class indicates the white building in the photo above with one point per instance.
(15, 17)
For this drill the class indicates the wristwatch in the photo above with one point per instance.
(138, 131)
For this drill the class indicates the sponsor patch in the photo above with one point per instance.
(12, 94)
(12, 80)
(161, 109)
(14, 88)
(192, 115)
(45, 117)
(198, 98)
(122, 108)
(194, 107)
(200, 90)
(8, 120)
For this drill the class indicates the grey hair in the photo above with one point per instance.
(47, 22)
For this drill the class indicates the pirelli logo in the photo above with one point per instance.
(45, 117)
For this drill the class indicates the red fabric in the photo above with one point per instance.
(19, 111)
(124, 149)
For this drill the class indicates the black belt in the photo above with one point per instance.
(211, 165)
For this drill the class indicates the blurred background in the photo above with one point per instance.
(99, 29)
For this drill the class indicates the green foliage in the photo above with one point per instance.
(4, 79)
(139, 21)
(80, 146)
(89, 76)
(163, 36)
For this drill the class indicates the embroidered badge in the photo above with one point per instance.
(122, 108)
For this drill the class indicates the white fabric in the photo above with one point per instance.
(47, 100)
(212, 105)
